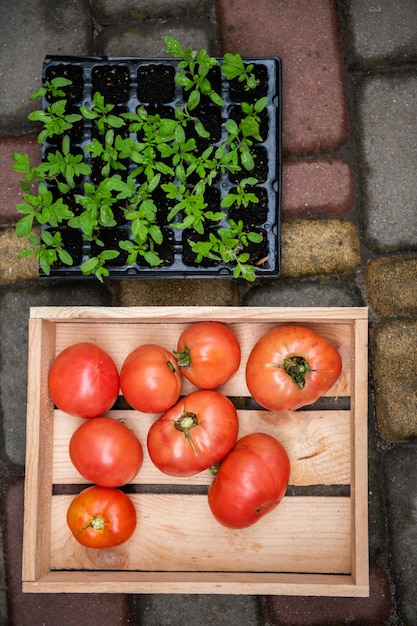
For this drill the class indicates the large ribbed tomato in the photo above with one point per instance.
(84, 381)
(251, 481)
(291, 366)
(208, 354)
(194, 434)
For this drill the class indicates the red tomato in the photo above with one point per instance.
(291, 366)
(208, 354)
(251, 481)
(150, 379)
(84, 381)
(106, 452)
(194, 434)
(100, 517)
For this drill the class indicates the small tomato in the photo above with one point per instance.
(84, 381)
(106, 452)
(101, 517)
(150, 379)
(208, 354)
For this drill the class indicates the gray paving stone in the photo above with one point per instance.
(400, 469)
(387, 107)
(14, 314)
(108, 12)
(195, 610)
(384, 29)
(308, 293)
(61, 27)
(147, 39)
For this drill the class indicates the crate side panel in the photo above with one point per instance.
(317, 442)
(175, 532)
(39, 445)
(197, 582)
(359, 451)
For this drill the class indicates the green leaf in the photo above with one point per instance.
(193, 100)
(24, 226)
(173, 47)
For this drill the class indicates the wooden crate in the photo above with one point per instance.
(314, 543)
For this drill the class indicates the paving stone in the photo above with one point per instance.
(394, 363)
(10, 190)
(306, 293)
(400, 465)
(315, 247)
(51, 609)
(316, 188)
(176, 292)
(384, 30)
(61, 27)
(3, 581)
(108, 12)
(314, 108)
(391, 284)
(14, 314)
(387, 106)
(195, 610)
(147, 39)
(322, 611)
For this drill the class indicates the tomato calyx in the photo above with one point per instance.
(183, 358)
(171, 367)
(296, 368)
(186, 421)
(96, 522)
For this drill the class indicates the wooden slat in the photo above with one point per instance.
(303, 534)
(317, 442)
(120, 339)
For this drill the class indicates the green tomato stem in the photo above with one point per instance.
(297, 368)
(184, 424)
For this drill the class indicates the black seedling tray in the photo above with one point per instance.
(126, 75)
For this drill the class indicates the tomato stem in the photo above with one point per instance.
(185, 423)
(297, 368)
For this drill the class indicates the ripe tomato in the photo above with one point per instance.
(208, 354)
(291, 366)
(251, 481)
(101, 517)
(84, 381)
(194, 434)
(150, 379)
(106, 452)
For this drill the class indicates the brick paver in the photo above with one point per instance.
(314, 106)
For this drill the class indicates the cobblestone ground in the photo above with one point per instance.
(349, 236)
